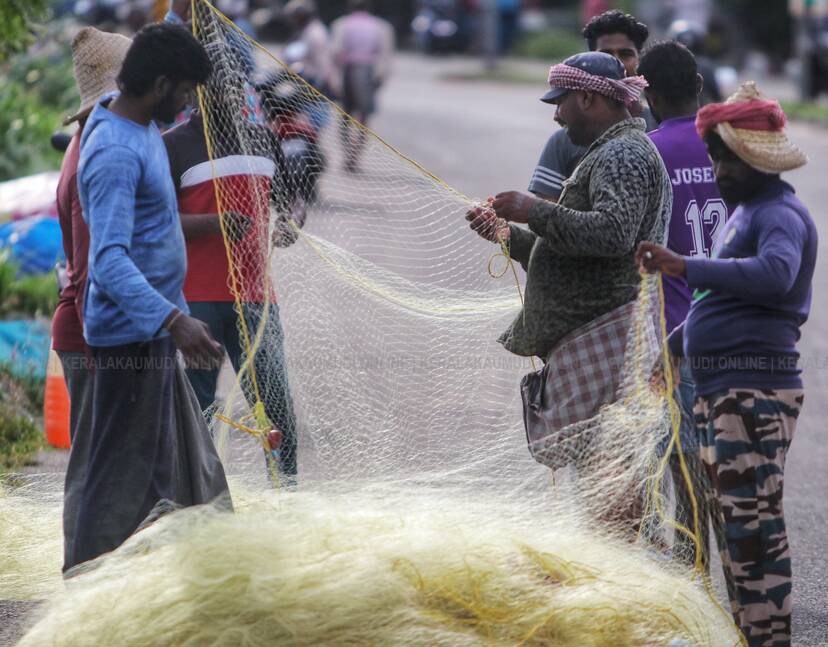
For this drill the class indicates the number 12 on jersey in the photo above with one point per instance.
(711, 217)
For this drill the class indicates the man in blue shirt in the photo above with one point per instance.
(134, 312)
(750, 300)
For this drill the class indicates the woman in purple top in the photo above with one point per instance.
(740, 337)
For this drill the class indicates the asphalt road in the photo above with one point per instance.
(482, 138)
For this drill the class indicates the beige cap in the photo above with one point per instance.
(97, 57)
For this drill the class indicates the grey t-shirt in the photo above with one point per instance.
(560, 157)
(557, 161)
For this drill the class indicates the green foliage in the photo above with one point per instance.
(26, 126)
(21, 404)
(549, 45)
(31, 386)
(37, 295)
(16, 24)
(21, 393)
(21, 437)
(38, 92)
(30, 296)
(46, 70)
(802, 111)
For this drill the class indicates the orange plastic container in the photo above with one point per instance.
(56, 404)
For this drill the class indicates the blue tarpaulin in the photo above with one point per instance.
(24, 346)
(35, 243)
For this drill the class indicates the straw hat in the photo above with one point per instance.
(97, 57)
(768, 151)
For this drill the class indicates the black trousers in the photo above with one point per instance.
(148, 442)
(78, 375)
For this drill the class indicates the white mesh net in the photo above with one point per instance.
(420, 516)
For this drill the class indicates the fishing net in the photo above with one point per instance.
(401, 504)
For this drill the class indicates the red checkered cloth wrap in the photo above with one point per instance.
(627, 91)
(757, 114)
(582, 374)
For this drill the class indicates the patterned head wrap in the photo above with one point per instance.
(627, 90)
(754, 129)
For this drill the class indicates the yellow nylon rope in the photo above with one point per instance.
(248, 365)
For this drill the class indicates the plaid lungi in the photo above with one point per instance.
(582, 374)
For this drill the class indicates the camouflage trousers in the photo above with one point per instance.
(744, 437)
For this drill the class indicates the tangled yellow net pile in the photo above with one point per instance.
(31, 543)
(420, 517)
(349, 568)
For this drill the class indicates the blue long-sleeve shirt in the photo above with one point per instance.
(137, 259)
(752, 297)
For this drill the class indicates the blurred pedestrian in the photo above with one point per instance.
(619, 35)
(699, 213)
(363, 45)
(740, 336)
(592, 8)
(97, 58)
(317, 63)
(508, 17)
(239, 12)
(135, 315)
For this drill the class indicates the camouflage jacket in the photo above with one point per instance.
(578, 253)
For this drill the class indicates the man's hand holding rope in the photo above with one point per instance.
(483, 221)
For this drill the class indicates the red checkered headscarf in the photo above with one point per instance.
(627, 91)
(756, 114)
(754, 128)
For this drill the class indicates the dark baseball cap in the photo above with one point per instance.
(595, 63)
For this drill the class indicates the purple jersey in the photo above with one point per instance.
(699, 212)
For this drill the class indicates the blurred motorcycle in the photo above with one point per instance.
(287, 104)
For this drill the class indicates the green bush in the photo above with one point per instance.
(37, 294)
(38, 92)
(16, 29)
(46, 71)
(804, 111)
(21, 437)
(25, 392)
(549, 45)
(21, 406)
(27, 296)
(26, 126)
